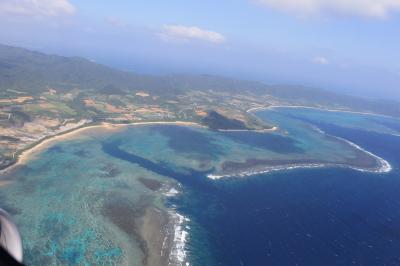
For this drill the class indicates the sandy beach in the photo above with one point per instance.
(160, 230)
(43, 143)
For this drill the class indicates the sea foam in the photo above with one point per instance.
(384, 166)
(178, 254)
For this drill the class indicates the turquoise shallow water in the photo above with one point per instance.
(367, 122)
(80, 201)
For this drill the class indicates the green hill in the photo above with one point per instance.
(33, 72)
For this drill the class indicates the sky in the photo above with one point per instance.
(348, 46)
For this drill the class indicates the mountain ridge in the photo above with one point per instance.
(35, 72)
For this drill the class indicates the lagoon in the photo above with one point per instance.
(103, 196)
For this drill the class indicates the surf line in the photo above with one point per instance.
(384, 166)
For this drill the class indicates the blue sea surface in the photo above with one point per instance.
(326, 216)
(80, 201)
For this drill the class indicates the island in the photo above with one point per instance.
(143, 137)
(42, 96)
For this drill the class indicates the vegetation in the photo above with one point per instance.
(42, 95)
(217, 121)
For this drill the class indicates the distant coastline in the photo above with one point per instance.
(255, 109)
(167, 227)
(178, 233)
(26, 154)
(384, 166)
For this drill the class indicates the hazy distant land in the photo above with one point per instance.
(45, 95)
(185, 127)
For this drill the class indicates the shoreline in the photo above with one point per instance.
(177, 233)
(255, 109)
(384, 165)
(25, 154)
(175, 242)
(172, 250)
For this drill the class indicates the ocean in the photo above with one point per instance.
(82, 201)
(326, 216)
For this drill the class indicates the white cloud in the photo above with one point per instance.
(320, 60)
(39, 8)
(365, 8)
(184, 33)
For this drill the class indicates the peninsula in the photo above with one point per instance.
(42, 96)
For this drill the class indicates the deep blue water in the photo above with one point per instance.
(296, 217)
(301, 217)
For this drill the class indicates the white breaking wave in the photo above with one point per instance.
(384, 166)
(178, 253)
(255, 109)
(171, 192)
(267, 169)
